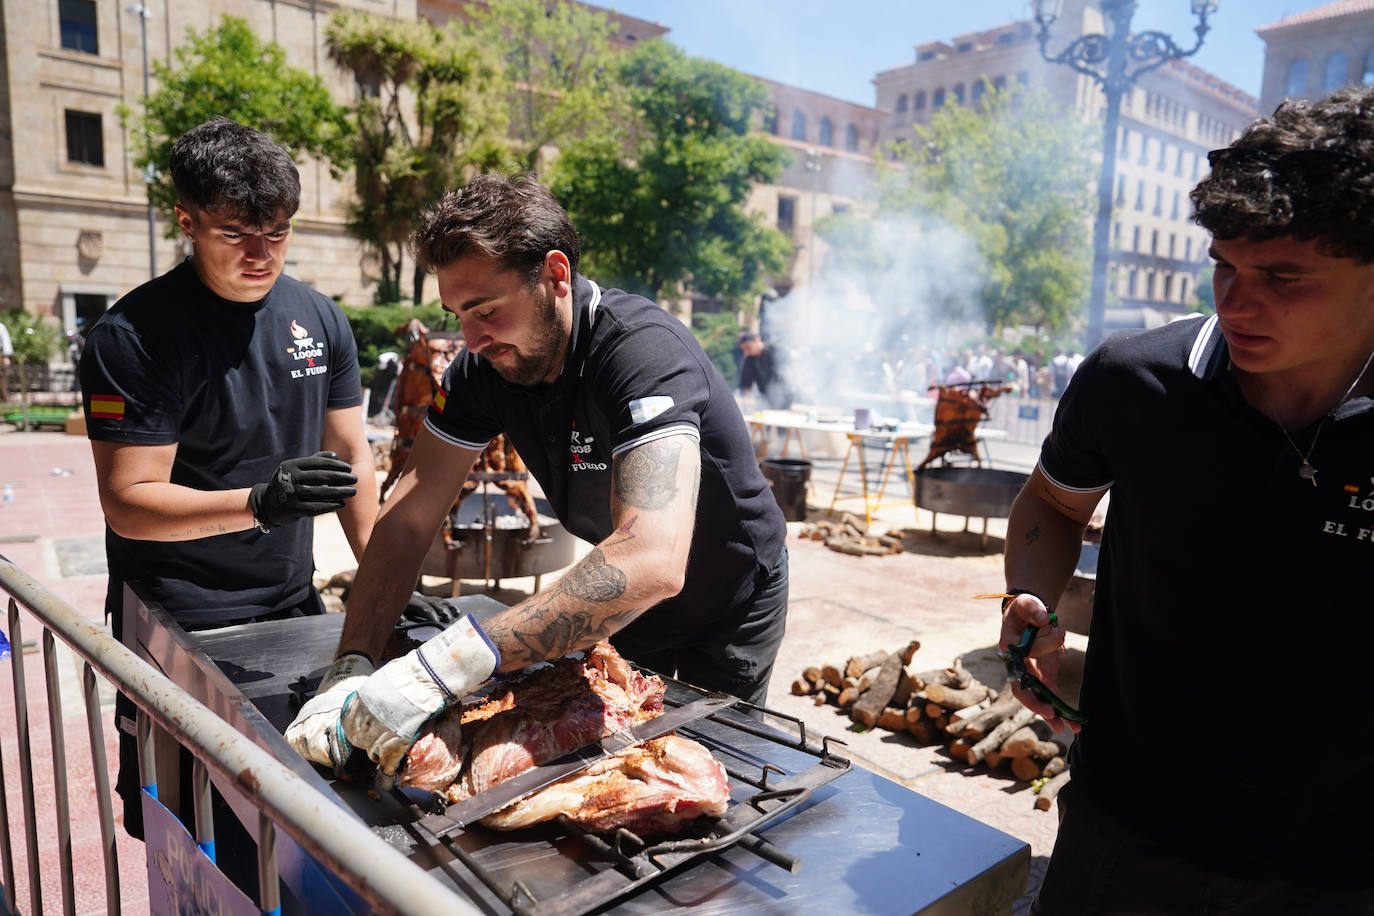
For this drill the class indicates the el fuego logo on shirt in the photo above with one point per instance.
(305, 350)
(579, 447)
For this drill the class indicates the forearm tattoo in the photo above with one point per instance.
(542, 631)
(646, 477)
(1033, 535)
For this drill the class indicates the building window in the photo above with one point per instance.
(1135, 239)
(1159, 201)
(1140, 194)
(851, 138)
(770, 120)
(84, 140)
(1173, 243)
(964, 47)
(798, 126)
(1120, 190)
(1168, 287)
(1154, 243)
(1183, 289)
(1125, 149)
(1178, 165)
(77, 24)
(937, 100)
(999, 82)
(1178, 204)
(918, 101)
(787, 215)
(1144, 151)
(1187, 249)
(901, 103)
(978, 89)
(1296, 84)
(1163, 156)
(1336, 65)
(959, 94)
(827, 133)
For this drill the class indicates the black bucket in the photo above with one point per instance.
(788, 478)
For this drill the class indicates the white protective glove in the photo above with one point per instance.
(384, 716)
(315, 732)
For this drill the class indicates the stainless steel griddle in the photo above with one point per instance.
(855, 843)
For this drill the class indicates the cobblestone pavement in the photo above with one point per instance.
(840, 605)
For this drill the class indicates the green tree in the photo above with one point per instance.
(660, 201)
(427, 112)
(228, 71)
(36, 339)
(1205, 296)
(1014, 174)
(557, 70)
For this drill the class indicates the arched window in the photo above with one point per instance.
(959, 94)
(901, 102)
(798, 126)
(827, 133)
(999, 82)
(1368, 68)
(770, 120)
(978, 89)
(1334, 77)
(918, 101)
(851, 138)
(1296, 83)
(938, 99)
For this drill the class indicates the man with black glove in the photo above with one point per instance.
(224, 408)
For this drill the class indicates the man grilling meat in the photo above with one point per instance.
(639, 447)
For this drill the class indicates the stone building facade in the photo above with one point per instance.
(1168, 122)
(1311, 54)
(74, 224)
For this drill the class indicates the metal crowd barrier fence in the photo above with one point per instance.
(385, 879)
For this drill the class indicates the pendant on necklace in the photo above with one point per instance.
(1307, 472)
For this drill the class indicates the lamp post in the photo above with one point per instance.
(1108, 59)
(144, 14)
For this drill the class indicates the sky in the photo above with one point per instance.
(836, 46)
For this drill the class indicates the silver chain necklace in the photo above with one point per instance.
(1306, 471)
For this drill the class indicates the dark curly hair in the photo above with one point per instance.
(513, 221)
(221, 165)
(1327, 196)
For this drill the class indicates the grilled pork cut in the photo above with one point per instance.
(538, 717)
(656, 787)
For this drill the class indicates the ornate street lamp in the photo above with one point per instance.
(1114, 61)
(144, 14)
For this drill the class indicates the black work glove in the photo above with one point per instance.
(428, 609)
(302, 488)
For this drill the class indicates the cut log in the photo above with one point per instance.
(1026, 768)
(1027, 738)
(832, 675)
(847, 697)
(913, 714)
(909, 651)
(960, 748)
(812, 674)
(924, 731)
(1045, 799)
(933, 710)
(981, 723)
(958, 697)
(892, 719)
(946, 677)
(959, 715)
(802, 687)
(858, 664)
(820, 697)
(1053, 767)
(867, 708)
(993, 740)
(853, 524)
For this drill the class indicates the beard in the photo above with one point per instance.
(537, 360)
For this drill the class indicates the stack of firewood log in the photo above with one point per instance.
(979, 725)
(850, 535)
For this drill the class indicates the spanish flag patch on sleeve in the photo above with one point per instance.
(440, 399)
(107, 407)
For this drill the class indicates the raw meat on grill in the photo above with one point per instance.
(538, 717)
(655, 787)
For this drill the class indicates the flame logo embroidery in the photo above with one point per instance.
(297, 331)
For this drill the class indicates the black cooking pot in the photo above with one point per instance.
(978, 492)
(490, 540)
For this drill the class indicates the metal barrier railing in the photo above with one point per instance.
(381, 876)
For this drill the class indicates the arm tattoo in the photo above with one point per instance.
(646, 477)
(544, 632)
(1033, 535)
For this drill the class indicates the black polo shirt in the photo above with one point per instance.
(633, 374)
(1228, 660)
(238, 388)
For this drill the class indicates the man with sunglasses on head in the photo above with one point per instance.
(223, 405)
(1230, 599)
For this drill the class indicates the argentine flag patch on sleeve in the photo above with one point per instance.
(646, 409)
